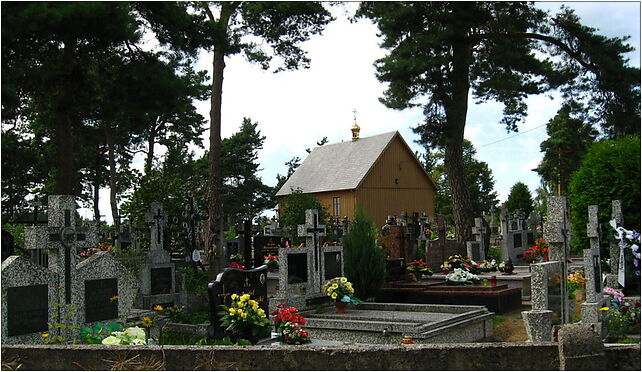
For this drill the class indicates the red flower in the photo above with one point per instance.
(303, 334)
(637, 304)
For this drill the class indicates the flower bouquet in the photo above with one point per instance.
(446, 267)
(272, 262)
(622, 317)
(538, 252)
(245, 319)
(236, 265)
(417, 268)
(488, 266)
(341, 292)
(288, 324)
(461, 276)
(238, 258)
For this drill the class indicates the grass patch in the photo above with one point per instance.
(497, 320)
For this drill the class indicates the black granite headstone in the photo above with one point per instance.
(265, 246)
(597, 273)
(517, 240)
(476, 251)
(530, 238)
(394, 269)
(297, 268)
(230, 281)
(161, 280)
(101, 299)
(332, 262)
(27, 309)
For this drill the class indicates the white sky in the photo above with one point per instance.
(295, 109)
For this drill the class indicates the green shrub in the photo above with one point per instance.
(365, 263)
(293, 209)
(195, 280)
(610, 171)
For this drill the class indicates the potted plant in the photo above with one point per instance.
(341, 292)
(622, 317)
(288, 324)
(417, 268)
(272, 262)
(245, 319)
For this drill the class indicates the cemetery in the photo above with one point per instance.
(368, 254)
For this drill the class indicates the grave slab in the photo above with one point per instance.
(387, 323)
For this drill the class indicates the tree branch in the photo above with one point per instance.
(530, 35)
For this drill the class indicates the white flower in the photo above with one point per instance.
(139, 341)
(111, 340)
(135, 332)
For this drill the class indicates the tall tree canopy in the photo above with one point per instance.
(520, 198)
(569, 139)
(479, 179)
(441, 52)
(261, 31)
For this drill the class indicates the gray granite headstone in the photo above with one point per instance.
(28, 294)
(103, 285)
(592, 270)
(614, 249)
(63, 237)
(478, 252)
(557, 233)
(312, 230)
(538, 321)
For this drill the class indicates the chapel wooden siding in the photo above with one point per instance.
(392, 183)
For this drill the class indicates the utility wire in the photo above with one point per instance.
(513, 136)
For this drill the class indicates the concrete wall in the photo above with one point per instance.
(474, 356)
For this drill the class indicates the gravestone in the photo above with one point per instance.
(557, 233)
(592, 270)
(538, 321)
(516, 237)
(612, 279)
(28, 294)
(303, 270)
(157, 274)
(393, 238)
(266, 246)
(235, 281)
(438, 250)
(477, 250)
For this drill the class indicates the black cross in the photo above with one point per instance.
(65, 236)
(158, 217)
(315, 229)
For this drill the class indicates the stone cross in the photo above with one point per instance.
(613, 280)
(479, 230)
(62, 235)
(157, 219)
(594, 297)
(592, 256)
(556, 233)
(312, 230)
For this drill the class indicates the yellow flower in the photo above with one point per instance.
(245, 297)
(603, 309)
(334, 296)
(113, 298)
(261, 312)
(335, 286)
(252, 303)
(243, 315)
(158, 308)
(147, 322)
(240, 304)
(44, 335)
(232, 312)
(343, 279)
(234, 296)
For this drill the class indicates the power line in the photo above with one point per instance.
(513, 136)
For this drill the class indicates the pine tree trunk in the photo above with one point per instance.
(112, 177)
(456, 111)
(214, 224)
(96, 185)
(150, 152)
